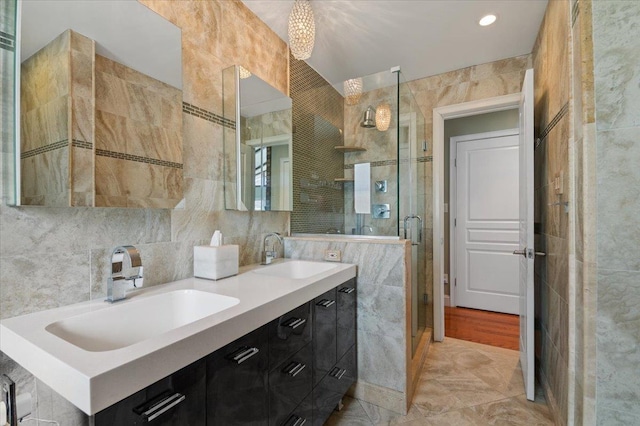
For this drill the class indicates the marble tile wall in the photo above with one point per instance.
(45, 99)
(553, 125)
(132, 109)
(616, 54)
(52, 256)
(384, 351)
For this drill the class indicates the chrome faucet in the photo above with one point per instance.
(269, 255)
(126, 272)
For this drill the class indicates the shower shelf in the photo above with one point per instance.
(345, 148)
(342, 179)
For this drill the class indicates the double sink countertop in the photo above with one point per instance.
(94, 376)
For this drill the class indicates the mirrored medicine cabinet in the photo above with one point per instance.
(257, 143)
(99, 101)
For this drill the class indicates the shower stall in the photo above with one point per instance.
(367, 170)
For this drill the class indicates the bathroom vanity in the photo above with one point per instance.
(284, 353)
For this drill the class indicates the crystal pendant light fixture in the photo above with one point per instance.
(244, 73)
(302, 29)
(383, 117)
(353, 91)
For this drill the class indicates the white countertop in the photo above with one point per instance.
(93, 381)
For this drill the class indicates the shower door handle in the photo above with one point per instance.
(406, 220)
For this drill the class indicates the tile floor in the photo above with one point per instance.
(462, 383)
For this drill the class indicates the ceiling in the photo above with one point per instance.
(424, 37)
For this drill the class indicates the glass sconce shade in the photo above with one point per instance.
(383, 117)
(353, 91)
(244, 73)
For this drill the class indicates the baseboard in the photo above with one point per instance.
(447, 300)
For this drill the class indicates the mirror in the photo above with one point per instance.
(100, 105)
(258, 152)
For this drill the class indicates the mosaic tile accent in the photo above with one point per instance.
(56, 145)
(563, 111)
(137, 158)
(76, 143)
(49, 147)
(207, 115)
(7, 42)
(318, 116)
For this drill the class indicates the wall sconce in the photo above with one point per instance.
(383, 117)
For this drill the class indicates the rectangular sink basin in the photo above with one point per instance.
(123, 325)
(296, 269)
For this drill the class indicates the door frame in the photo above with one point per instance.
(453, 192)
(441, 114)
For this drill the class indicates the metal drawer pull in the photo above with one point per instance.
(294, 322)
(242, 354)
(294, 420)
(294, 368)
(325, 303)
(337, 373)
(347, 290)
(163, 406)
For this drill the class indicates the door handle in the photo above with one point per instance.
(529, 253)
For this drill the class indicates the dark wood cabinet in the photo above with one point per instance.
(292, 371)
(173, 401)
(237, 392)
(324, 334)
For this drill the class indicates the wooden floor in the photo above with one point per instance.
(489, 328)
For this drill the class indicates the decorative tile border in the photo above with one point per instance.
(543, 135)
(382, 163)
(207, 115)
(46, 148)
(81, 144)
(7, 42)
(137, 158)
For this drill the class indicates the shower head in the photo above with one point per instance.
(369, 120)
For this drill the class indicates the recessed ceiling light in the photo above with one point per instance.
(487, 20)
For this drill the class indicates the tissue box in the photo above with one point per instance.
(215, 262)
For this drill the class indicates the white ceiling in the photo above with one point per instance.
(423, 37)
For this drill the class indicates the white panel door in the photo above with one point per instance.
(486, 222)
(526, 235)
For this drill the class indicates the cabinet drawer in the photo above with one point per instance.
(237, 392)
(333, 386)
(324, 334)
(175, 400)
(346, 322)
(289, 384)
(288, 334)
(301, 415)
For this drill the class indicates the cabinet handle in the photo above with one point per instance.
(294, 322)
(242, 354)
(347, 290)
(151, 412)
(294, 420)
(325, 303)
(294, 368)
(337, 373)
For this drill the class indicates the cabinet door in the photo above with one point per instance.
(289, 384)
(173, 401)
(324, 334)
(346, 323)
(237, 392)
(333, 386)
(288, 334)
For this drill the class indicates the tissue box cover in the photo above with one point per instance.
(215, 262)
